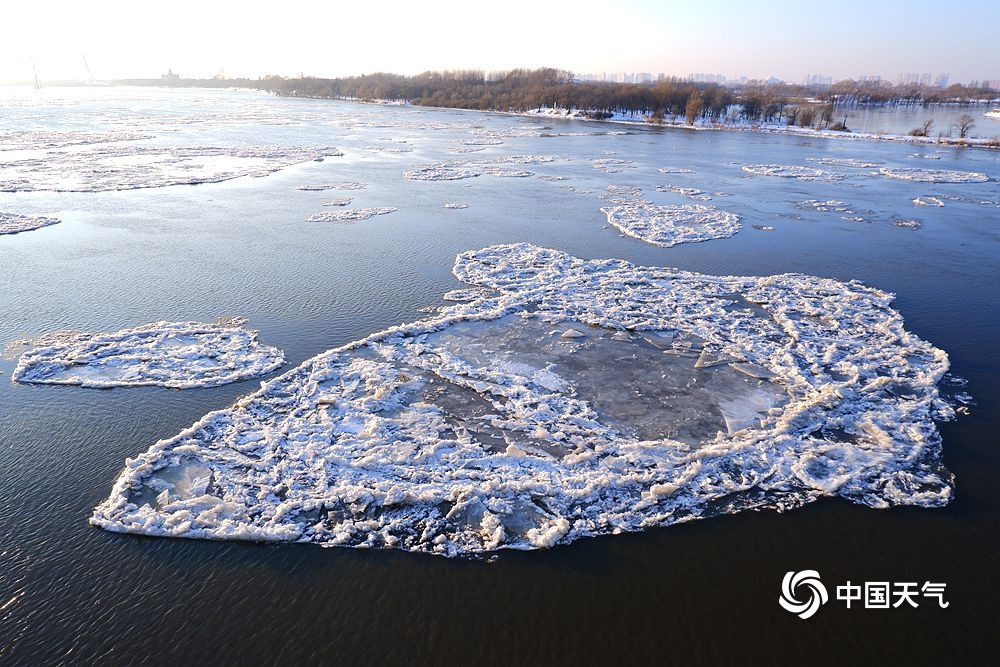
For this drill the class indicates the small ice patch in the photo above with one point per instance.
(181, 355)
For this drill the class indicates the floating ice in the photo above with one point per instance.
(933, 175)
(126, 167)
(927, 201)
(47, 139)
(350, 215)
(763, 228)
(625, 190)
(670, 225)
(675, 170)
(455, 205)
(339, 201)
(441, 171)
(14, 223)
(690, 193)
(679, 396)
(789, 171)
(612, 165)
(908, 223)
(181, 355)
(845, 162)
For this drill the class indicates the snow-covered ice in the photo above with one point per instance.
(14, 223)
(181, 355)
(580, 397)
(670, 225)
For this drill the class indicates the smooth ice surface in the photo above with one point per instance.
(568, 398)
(670, 225)
(181, 355)
(13, 223)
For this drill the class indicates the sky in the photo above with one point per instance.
(780, 38)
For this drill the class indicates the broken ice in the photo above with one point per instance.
(570, 398)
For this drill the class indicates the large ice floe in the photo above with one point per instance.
(570, 398)
(669, 225)
(181, 355)
(14, 223)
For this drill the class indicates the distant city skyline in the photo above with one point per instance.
(787, 40)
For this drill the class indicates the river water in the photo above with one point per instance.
(180, 240)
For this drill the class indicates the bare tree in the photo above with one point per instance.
(965, 123)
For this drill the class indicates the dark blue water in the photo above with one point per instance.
(700, 592)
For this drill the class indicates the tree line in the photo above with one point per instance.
(671, 98)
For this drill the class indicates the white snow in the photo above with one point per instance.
(14, 223)
(670, 225)
(181, 355)
(483, 428)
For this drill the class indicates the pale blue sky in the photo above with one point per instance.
(784, 38)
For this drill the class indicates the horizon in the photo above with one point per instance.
(790, 41)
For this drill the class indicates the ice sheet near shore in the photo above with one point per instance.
(181, 355)
(14, 223)
(127, 166)
(568, 398)
(670, 225)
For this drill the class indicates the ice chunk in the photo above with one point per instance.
(181, 355)
(13, 223)
(481, 428)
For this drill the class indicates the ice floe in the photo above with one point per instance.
(350, 214)
(789, 171)
(690, 193)
(455, 205)
(181, 355)
(933, 175)
(670, 225)
(14, 223)
(442, 171)
(677, 396)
